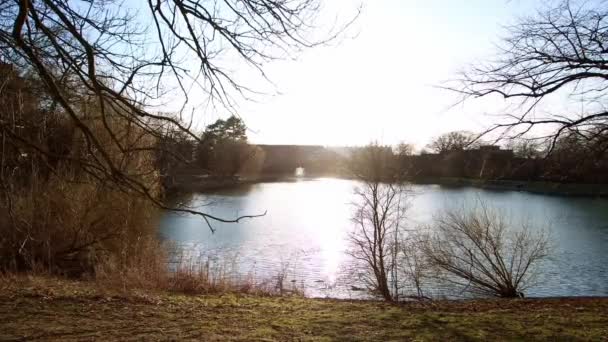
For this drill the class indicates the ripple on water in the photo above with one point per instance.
(305, 234)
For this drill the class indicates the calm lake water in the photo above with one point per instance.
(305, 229)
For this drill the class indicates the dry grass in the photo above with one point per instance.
(76, 229)
(47, 309)
(218, 272)
(66, 218)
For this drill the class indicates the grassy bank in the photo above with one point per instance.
(47, 309)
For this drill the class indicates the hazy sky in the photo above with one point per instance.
(380, 84)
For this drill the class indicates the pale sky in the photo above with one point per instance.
(380, 82)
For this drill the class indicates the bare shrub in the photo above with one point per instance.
(413, 266)
(287, 268)
(62, 219)
(479, 251)
(71, 228)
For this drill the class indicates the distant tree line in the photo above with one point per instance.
(221, 151)
(224, 151)
(461, 154)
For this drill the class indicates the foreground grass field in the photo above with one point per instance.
(44, 309)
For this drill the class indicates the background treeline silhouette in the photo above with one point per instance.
(225, 152)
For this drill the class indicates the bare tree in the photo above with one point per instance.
(561, 50)
(404, 149)
(377, 240)
(126, 61)
(575, 159)
(378, 218)
(527, 149)
(452, 141)
(480, 252)
(374, 162)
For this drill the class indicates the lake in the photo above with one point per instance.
(304, 233)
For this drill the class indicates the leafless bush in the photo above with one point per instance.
(479, 251)
(62, 219)
(413, 266)
(67, 227)
(287, 269)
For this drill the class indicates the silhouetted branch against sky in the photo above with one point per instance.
(133, 60)
(559, 51)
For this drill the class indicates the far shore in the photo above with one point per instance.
(192, 183)
(547, 188)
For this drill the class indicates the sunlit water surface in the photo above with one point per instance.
(304, 233)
